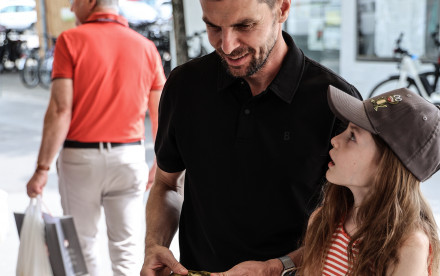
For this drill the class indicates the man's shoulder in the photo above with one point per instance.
(324, 76)
(194, 77)
(206, 63)
(197, 69)
(87, 32)
(74, 33)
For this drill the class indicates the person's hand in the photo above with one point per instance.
(151, 176)
(36, 183)
(268, 268)
(160, 261)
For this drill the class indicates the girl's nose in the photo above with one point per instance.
(333, 141)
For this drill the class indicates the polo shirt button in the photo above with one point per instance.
(247, 111)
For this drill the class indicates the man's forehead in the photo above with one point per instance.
(271, 3)
(230, 12)
(232, 2)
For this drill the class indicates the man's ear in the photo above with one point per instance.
(284, 9)
(92, 4)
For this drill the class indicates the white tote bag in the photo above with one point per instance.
(4, 215)
(33, 256)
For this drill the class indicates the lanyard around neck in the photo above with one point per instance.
(104, 20)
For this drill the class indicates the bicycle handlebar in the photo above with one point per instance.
(434, 36)
(398, 49)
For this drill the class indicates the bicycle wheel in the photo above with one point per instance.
(29, 73)
(430, 80)
(393, 83)
(45, 72)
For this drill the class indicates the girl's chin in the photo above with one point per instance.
(328, 176)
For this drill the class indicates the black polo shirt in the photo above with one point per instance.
(254, 165)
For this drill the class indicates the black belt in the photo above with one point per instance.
(80, 145)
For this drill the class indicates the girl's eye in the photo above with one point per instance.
(352, 137)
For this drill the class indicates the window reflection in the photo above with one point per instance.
(315, 26)
(380, 22)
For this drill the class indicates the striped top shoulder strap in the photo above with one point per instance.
(336, 262)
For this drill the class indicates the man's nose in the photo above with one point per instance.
(229, 41)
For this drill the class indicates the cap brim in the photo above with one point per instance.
(348, 108)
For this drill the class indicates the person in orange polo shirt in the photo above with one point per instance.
(105, 77)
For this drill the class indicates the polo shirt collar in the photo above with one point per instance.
(107, 17)
(286, 81)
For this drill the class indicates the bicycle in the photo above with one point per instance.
(198, 49)
(38, 70)
(29, 73)
(409, 77)
(12, 49)
(45, 65)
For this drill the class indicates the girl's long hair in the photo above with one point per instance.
(394, 209)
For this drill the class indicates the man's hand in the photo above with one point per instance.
(160, 261)
(36, 183)
(253, 268)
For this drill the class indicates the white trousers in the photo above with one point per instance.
(115, 179)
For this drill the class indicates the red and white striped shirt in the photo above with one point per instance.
(336, 262)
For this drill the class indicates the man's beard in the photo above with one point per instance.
(254, 66)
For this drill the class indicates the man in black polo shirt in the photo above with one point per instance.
(250, 126)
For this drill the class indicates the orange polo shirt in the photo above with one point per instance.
(113, 69)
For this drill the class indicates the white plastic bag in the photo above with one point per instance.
(4, 215)
(33, 257)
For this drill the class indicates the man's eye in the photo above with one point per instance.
(245, 27)
(213, 28)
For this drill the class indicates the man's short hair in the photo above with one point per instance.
(270, 3)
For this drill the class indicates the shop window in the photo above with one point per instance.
(315, 27)
(380, 23)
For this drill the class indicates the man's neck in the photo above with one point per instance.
(259, 81)
(106, 9)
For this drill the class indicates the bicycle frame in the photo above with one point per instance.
(410, 76)
(409, 68)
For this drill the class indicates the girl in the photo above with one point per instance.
(373, 219)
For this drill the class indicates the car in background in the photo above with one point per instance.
(18, 14)
(165, 9)
(137, 12)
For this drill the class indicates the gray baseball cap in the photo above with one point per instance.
(408, 123)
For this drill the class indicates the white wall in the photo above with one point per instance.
(362, 74)
(193, 16)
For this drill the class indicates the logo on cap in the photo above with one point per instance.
(382, 102)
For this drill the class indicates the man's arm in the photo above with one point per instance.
(272, 267)
(163, 212)
(153, 107)
(56, 125)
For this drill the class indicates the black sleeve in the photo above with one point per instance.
(166, 147)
